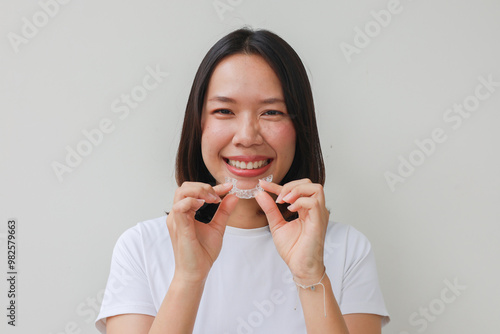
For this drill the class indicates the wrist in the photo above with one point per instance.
(309, 270)
(309, 278)
(188, 281)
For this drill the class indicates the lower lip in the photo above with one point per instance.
(248, 172)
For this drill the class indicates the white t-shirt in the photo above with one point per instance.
(249, 288)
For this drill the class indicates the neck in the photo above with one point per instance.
(247, 214)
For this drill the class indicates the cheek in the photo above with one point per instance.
(205, 142)
(283, 137)
(213, 138)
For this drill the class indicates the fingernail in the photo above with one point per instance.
(200, 201)
(214, 198)
(291, 207)
(287, 197)
(278, 200)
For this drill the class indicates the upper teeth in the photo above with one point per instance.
(248, 165)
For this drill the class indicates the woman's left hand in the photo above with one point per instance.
(300, 242)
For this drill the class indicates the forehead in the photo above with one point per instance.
(243, 73)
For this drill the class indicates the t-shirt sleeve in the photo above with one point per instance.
(361, 291)
(127, 290)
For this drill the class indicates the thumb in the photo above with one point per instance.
(221, 217)
(273, 214)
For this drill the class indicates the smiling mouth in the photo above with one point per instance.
(248, 164)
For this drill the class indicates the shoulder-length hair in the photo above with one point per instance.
(308, 160)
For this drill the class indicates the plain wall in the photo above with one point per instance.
(404, 165)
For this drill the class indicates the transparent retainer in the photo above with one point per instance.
(246, 193)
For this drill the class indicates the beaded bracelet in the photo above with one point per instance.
(313, 287)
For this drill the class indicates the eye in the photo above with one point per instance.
(223, 111)
(274, 113)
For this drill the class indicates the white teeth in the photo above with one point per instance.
(248, 165)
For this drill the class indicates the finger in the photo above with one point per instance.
(270, 187)
(287, 188)
(271, 210)
(179, 215)
(221, 217)
(314, 208)
(223, 188)
(303, 203)
(187, 205)
(197, 190)
(303, 190)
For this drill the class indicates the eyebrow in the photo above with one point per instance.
(270, 100)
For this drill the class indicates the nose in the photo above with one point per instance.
(248, 132)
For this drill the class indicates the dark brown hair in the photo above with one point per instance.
(308, 160)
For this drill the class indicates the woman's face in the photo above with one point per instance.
(247, 133)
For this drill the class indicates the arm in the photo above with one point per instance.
(318, 301)
(177, 313)
(301, 245)
(196, 246)
(361, 323)
(314, 312)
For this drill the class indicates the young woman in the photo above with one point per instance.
(272, 263)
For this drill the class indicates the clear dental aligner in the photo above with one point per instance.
(246, 193)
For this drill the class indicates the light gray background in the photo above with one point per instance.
(441, 224)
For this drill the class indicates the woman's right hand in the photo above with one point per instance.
(197, 245)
